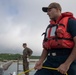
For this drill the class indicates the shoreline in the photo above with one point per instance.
(5, 64)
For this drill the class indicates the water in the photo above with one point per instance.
(13, 68)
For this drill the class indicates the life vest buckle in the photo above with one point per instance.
(53, 54)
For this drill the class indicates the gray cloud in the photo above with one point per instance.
(23, 21)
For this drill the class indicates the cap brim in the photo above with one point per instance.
(44, 9)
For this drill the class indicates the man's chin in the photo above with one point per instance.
(51, 18)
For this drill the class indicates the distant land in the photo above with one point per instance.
(7, 56)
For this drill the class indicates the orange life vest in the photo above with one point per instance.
(56, 35)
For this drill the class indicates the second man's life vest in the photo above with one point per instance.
(56, 35)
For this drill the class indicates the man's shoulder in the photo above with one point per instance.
(72, 21)
(28, 48)
(72, 27)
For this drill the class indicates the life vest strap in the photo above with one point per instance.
(60, 39)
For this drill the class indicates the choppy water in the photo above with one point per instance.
(13, 68)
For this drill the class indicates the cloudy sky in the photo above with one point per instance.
(23, 21)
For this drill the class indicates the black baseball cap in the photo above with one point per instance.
(52, 5)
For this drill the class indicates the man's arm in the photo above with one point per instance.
(30, 52)
(72, 56)
(63, 68)
(42, 58)
(72, 31)
(43, 55)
